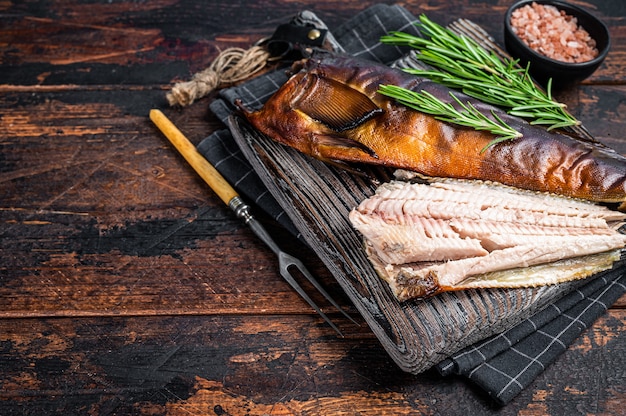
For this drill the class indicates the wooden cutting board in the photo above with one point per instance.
(416, 334)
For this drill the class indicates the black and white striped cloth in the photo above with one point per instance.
(504, 364)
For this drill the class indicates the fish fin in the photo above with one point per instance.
(345, 142)
(242, 107)
(340, 164)
(336, 104)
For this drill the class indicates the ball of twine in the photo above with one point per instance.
(230, 66)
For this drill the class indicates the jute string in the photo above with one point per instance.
(230, 66)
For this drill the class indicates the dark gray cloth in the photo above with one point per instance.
(221, 150)
(502, 365)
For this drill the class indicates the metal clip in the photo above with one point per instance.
(291, 42)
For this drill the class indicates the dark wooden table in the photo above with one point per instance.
(127, 287)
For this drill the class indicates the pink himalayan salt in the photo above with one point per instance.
(553, 33)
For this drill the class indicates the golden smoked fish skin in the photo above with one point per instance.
(330, 109)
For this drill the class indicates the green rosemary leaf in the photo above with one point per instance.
(545, 114)
(559, 125)
(494, 142)
(522, 114)
(549, 122)
(536, 106)
(549, 88)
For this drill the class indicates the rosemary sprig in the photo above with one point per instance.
(467, 116)
(463, 64)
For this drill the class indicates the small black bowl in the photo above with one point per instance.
(543, 68)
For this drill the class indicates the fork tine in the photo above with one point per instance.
(297, 263)
(284, 261)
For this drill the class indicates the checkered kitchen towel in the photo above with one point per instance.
(503, 364)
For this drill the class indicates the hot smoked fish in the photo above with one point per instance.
(331, 109)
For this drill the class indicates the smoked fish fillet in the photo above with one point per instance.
(424, 239)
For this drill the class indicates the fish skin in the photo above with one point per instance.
(364, 126)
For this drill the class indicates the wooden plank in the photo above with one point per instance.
(88, 44)
(94, 200)
(126, 287)
(267, 365)
(601, 109)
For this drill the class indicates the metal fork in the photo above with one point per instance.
(230, 197)
(286, 261)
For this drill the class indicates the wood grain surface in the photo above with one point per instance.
(127, 287)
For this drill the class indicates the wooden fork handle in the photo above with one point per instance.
(206, 171)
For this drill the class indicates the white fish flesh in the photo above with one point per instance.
(452, 234)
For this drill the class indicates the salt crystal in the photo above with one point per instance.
(574, 44)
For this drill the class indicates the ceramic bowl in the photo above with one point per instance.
(543, 68)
